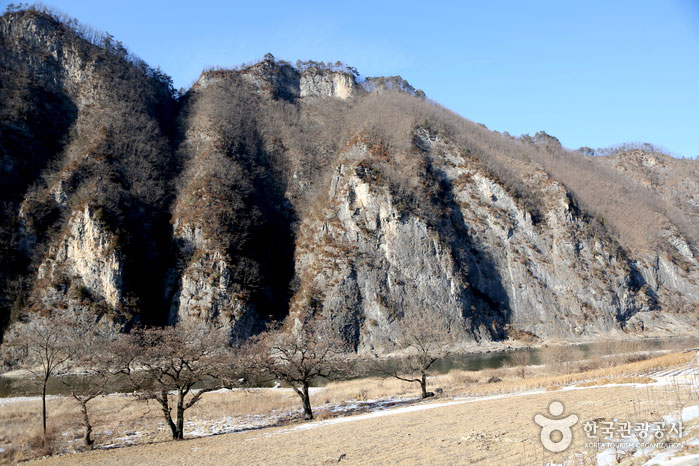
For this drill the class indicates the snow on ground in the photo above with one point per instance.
(251, 422)
(22, 399)
(393, 406)
(663, 455)
(659, 455)
(688, 414)
(382, 411)
(666, 459)
(421, 407)
(685, 376)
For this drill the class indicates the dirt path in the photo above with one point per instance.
(485, 431)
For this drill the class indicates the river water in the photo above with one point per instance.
(474, 361)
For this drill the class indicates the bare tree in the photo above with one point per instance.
(426, 338)
(520, 360)
(176, 359)
(297, 357)
(43, 346)
(100, 358)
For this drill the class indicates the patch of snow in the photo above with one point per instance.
(607, 457)
(23, 399)
(688, 414)
(666, 459)
(257, 389)
(665, 456)
(372, 415)
(220, 390)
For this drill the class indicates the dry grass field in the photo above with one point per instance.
(484, 417)
(491, 431)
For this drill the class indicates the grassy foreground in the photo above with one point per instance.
(478, 420)
(498, 431)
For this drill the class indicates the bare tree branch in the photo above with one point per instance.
(297, 356)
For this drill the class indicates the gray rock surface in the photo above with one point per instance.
(375, 233)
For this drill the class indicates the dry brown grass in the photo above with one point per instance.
(364, 389)
(618, 380)
(544, 377)
(117, 417)
(489, 431)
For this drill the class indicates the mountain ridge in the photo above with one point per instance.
(279, 192)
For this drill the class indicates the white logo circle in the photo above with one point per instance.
(549, 426)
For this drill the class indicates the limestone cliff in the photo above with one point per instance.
(87, 257)
(364, 263)
(203, 284)
(89, 164)
(312, 79)
(318, 83)
(272, 191)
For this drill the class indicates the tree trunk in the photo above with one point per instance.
(43, 404)
(307, 411)
(163, 400)
(423, 385)
(180, 417)
(88, 427)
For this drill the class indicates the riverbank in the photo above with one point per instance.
(490, 429)
(491, 355)
(120, 419)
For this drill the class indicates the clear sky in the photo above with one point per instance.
(590, 72)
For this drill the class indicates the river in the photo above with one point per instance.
(475, 361)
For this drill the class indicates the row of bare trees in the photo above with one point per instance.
(175, 366)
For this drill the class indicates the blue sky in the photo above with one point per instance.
(593, 73)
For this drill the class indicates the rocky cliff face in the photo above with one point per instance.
(669, 272)
(317, 83)
(273, 192)
(203, 284)
(365, 263)
(280, 79)
(205, 290)
(86, 149)
(86, 257)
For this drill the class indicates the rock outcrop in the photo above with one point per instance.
(87, 256)
(89, 163)
(274, 192)
(321, 83)
(205, 290)
(366, 265)
(280, 79)
(364, 262)
(204, 285)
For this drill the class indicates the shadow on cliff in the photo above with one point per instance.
(272, 244)
(486, 303)
(34, 125)
(261, 239)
